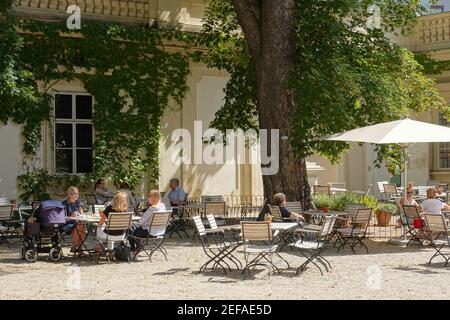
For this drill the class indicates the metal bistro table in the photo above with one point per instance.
(181, 217)
(275, 226)
(190, 207)
(91, 221)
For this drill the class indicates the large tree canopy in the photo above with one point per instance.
(343, 74)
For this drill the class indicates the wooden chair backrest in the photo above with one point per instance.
(256, 231)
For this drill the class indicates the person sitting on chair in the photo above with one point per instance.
(73, 207)
(410, 201)
(119, 204)
(101, 192)
(279, 200)
(125, 188)
(176, 194)
(433, 205)
(142, 228)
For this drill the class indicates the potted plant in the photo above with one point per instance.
(322, 202)
(384, 212)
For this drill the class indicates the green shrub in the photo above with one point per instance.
(387, 207)
(340, 199)
(368, 201)
(322, 201)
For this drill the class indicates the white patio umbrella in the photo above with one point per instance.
(403, 132)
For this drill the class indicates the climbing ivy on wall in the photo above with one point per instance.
(129, 72)
(20, 99)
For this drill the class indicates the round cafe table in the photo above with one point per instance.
(90, 220)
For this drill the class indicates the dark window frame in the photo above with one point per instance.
(443, 147)
(73, 122)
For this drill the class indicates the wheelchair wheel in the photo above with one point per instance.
(55, 254)
(31, 254)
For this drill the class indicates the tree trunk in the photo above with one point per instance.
(269, 30)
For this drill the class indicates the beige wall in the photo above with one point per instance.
(201, 103)
(330, 174)
(355, 168)
(11, 142)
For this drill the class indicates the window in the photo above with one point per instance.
(436, 9)
(73, 133)
(432, 7)
(444, 147)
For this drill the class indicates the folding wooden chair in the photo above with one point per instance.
(380, 185)
(342, 222)
(8, 225)
(436, 223)
(218, 251)
(179, 220)
(217, 198)
(220, 230)
(411, 213)
(276, 214)
(294, 206)
(284, 237)
(391, 193)
(422, 190)
(354, 235)
(257, 238)
(217, 209)
(363, 193)
(151, 243)
(166, 202)
(318, 189)
(91, 199)
(311, 249)
(116, 222)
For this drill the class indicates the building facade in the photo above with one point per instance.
(428, 162)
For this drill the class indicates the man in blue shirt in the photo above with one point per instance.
(176, 194)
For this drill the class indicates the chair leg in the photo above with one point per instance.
(309, 259)
(253, 263)
(157, 246)
(438, 253)
(447, 260)
(304, 265)
(328, 262)
(221, 260)
(214, 257)
(229, 256)
(364, 245)
(274, 267)
(319, 259)
(285, 261)
(344, 243)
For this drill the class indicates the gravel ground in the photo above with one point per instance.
(388, 272)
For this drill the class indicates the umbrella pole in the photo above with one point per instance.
(405, 183)
(405, 187)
